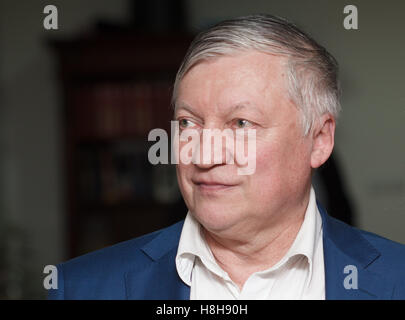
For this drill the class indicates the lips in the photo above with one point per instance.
(207, 182)
(212, 185)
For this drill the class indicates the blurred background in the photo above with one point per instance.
(77, 103)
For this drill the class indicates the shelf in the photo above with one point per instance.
(116, 89)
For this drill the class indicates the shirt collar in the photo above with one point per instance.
(192, 244)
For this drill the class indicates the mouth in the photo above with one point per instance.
(213, 186)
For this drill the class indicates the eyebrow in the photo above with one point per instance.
(184, 106)
(234, 108)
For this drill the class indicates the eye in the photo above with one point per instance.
(185, 123)
(242, 123)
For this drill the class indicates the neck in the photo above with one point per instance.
(248, 252)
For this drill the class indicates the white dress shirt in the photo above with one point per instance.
(298, 275)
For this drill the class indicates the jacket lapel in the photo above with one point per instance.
(347, 252)
(158, 279)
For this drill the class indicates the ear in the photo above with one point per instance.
(323, 140)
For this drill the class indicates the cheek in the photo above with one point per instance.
(184, 182)
(183, 172)
(280, 166)
(268, 167)
(269, 158)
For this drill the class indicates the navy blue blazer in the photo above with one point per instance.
(144, 268)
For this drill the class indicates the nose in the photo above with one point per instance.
(215, 148)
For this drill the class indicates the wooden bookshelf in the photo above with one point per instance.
(116, 88)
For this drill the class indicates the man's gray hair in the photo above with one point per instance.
(312, 72)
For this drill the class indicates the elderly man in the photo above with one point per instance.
(250, 236)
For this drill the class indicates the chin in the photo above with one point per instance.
(216, 217)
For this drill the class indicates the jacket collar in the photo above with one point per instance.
(159, 279)
(343, 246)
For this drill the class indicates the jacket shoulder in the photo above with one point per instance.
(100, 274)
(381, 259)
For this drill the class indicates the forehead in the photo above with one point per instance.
(249, 76)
